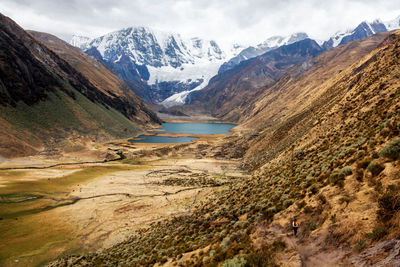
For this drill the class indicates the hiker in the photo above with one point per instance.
(295, 226)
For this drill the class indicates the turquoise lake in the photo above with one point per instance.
(188, 128)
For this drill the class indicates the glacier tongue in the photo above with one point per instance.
(179, 99)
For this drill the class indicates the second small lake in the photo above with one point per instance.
(185, 128)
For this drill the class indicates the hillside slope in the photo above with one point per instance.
(99, 76)
(300, 91)
(43, 98)
(337, 170)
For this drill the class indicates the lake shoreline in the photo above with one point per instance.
(183, 132)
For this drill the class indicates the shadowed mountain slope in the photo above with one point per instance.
(43, 98)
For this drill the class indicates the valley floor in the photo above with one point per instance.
(51, 207)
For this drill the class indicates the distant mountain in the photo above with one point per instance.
(165, 68)
(44, 99)
(80, 41)
(242, 78)
(167, 62)
(363, 30)
(231, 91)
(268, 45)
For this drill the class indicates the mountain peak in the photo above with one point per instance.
(80, 41)
(276, 41)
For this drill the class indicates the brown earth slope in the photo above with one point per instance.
(334, 164)
(300, 95)
(44, 98)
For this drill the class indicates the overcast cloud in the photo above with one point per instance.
(226, 21)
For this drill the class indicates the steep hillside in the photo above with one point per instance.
(99, 76)
(300, 91)
(231, 91)
(43, 98)
(337, 171)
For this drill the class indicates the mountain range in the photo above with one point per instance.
(166, 62)
(165, 68)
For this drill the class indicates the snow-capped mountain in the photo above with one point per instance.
(168, 62)
(268, 45)
(164, 67)
(363, 30)
(80, 41)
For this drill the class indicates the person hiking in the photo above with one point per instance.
(295, 226)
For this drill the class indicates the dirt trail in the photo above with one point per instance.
(307, 254)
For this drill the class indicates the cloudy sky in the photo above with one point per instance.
(226, 21)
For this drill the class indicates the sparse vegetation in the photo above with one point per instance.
(377, 233)
(389, 204)
(347, 170)
(337, 136)
(391, 150)
(375, 168)
(337, 178)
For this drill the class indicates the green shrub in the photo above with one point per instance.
(314, 188)
(333, 218)
(363, 164)
(301, 204)
(347, 170)
(359, 174)
(377, 233)
(375, 168)
(346, 199)
(389, 204)
(337, 178)
(262, 258)
(322, 198)
(391, 150)
(312, 225)
(308, 209)
(235, 262)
